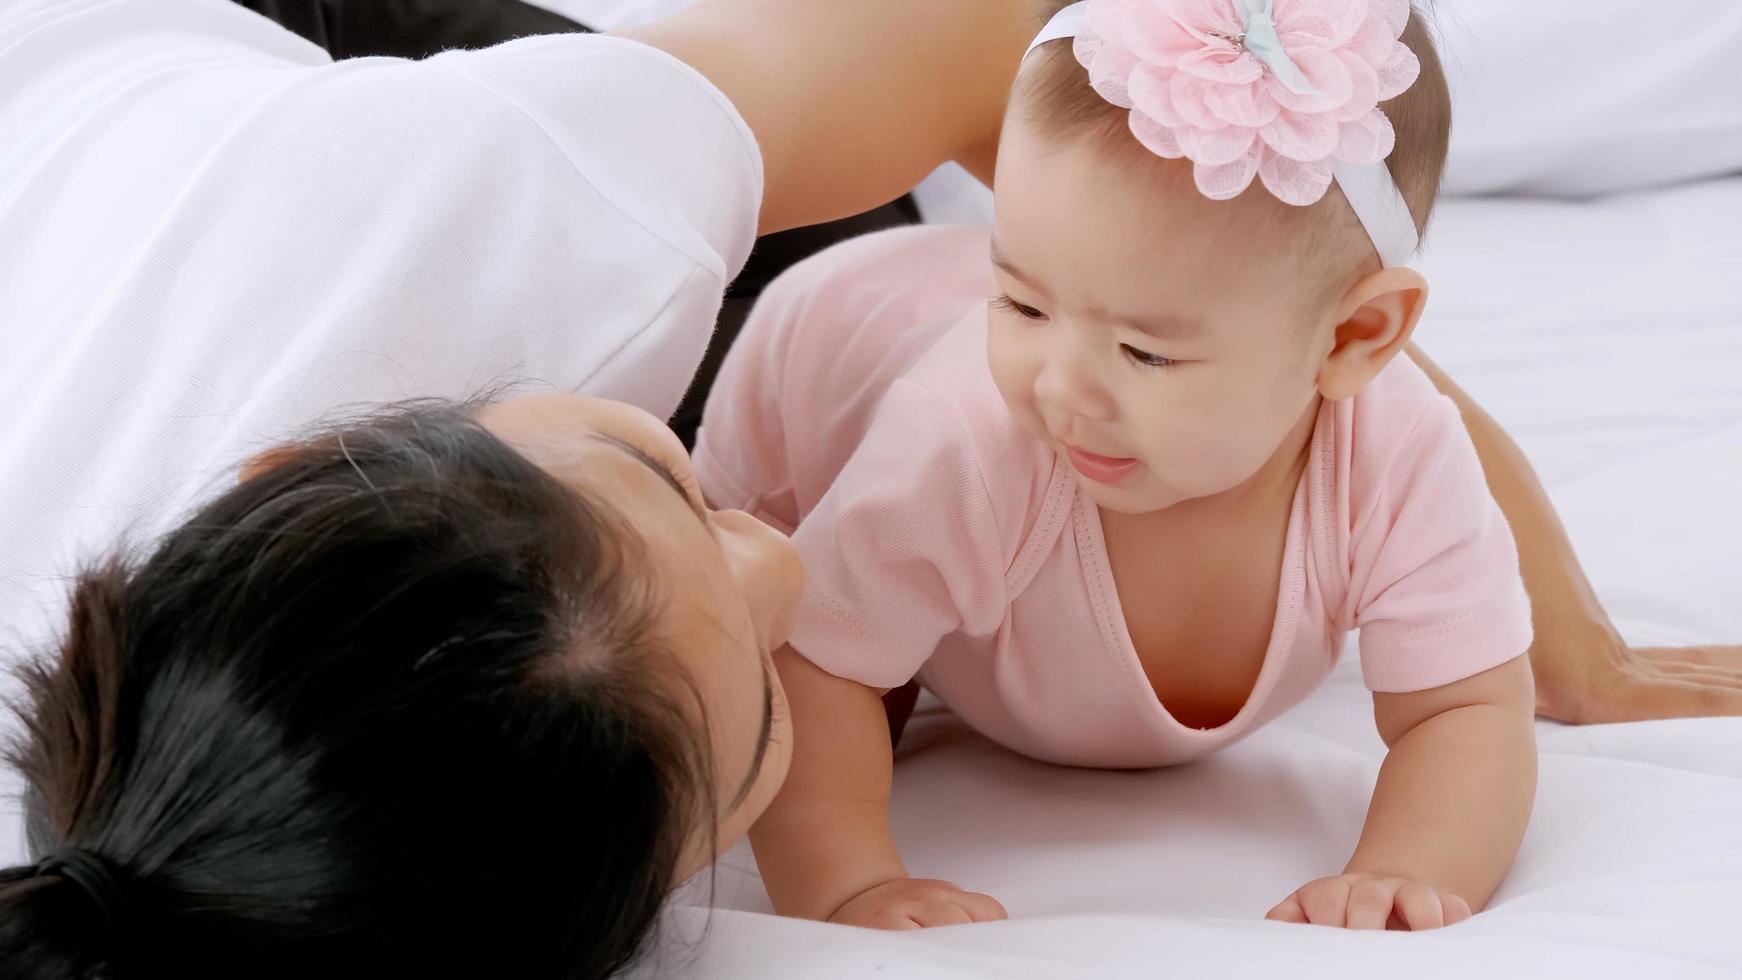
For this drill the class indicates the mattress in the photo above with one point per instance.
(1607, 337)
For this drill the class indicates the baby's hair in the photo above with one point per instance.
(1056, 95)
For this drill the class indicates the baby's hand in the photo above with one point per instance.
(913, 903)
(1366, 901)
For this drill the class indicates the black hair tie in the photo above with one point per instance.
(92, 874)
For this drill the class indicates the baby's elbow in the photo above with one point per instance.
(1506, 691)
(1510, 687)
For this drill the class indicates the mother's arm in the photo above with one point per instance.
(1585, 672)
(854, 101)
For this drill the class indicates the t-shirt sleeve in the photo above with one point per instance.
(649, 132)
(1435, 581)
(560, 212)
(903, 550)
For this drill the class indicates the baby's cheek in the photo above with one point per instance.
(1205, 451)
(1014, 375)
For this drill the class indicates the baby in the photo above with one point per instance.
(1127, 513)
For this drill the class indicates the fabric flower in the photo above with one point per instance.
(1274, 89)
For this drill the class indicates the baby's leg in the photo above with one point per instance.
(1585, 673)
(773, 255)
(898, 708)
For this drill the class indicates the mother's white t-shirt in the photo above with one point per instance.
(211, 236)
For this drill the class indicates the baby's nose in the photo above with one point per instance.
(1068, 386)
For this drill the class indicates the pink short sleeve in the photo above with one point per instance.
(1435, 578)
(902, 550)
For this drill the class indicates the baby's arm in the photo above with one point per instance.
(824, 847)
(1449, 810)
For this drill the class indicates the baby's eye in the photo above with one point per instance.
(1008, 305)
(1146, 359)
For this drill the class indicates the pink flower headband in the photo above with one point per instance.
(1283, 90)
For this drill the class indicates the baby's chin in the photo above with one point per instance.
(1143, 494)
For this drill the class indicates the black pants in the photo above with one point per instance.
(418, 28)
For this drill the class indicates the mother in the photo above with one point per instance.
(446, 688)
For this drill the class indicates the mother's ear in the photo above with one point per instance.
(1374, 322)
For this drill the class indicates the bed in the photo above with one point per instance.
(1607, 336)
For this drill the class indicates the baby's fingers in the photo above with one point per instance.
(941, 912)
(1370, 902)
(1419, 907)
(1326, 902)
(981, 908)
(1457, 910)
(1288, 910)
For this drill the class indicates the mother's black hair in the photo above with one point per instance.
(390, 708)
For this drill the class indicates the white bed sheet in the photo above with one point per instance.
(1607, 337)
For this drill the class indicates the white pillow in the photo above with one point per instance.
(1582, 97)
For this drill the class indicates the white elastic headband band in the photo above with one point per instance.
(1371, 191)
(1068, 22)
(1374, 196)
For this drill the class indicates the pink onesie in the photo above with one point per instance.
(944, 544)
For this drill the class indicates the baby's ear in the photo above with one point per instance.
(1374, 322)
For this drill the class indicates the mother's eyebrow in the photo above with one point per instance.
(767, 733)
(660, 469)
(762, 741)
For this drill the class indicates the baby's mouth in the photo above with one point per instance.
(1101, 469)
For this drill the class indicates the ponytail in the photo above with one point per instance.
(53, 924)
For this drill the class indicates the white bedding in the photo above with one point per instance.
(1607, 337)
